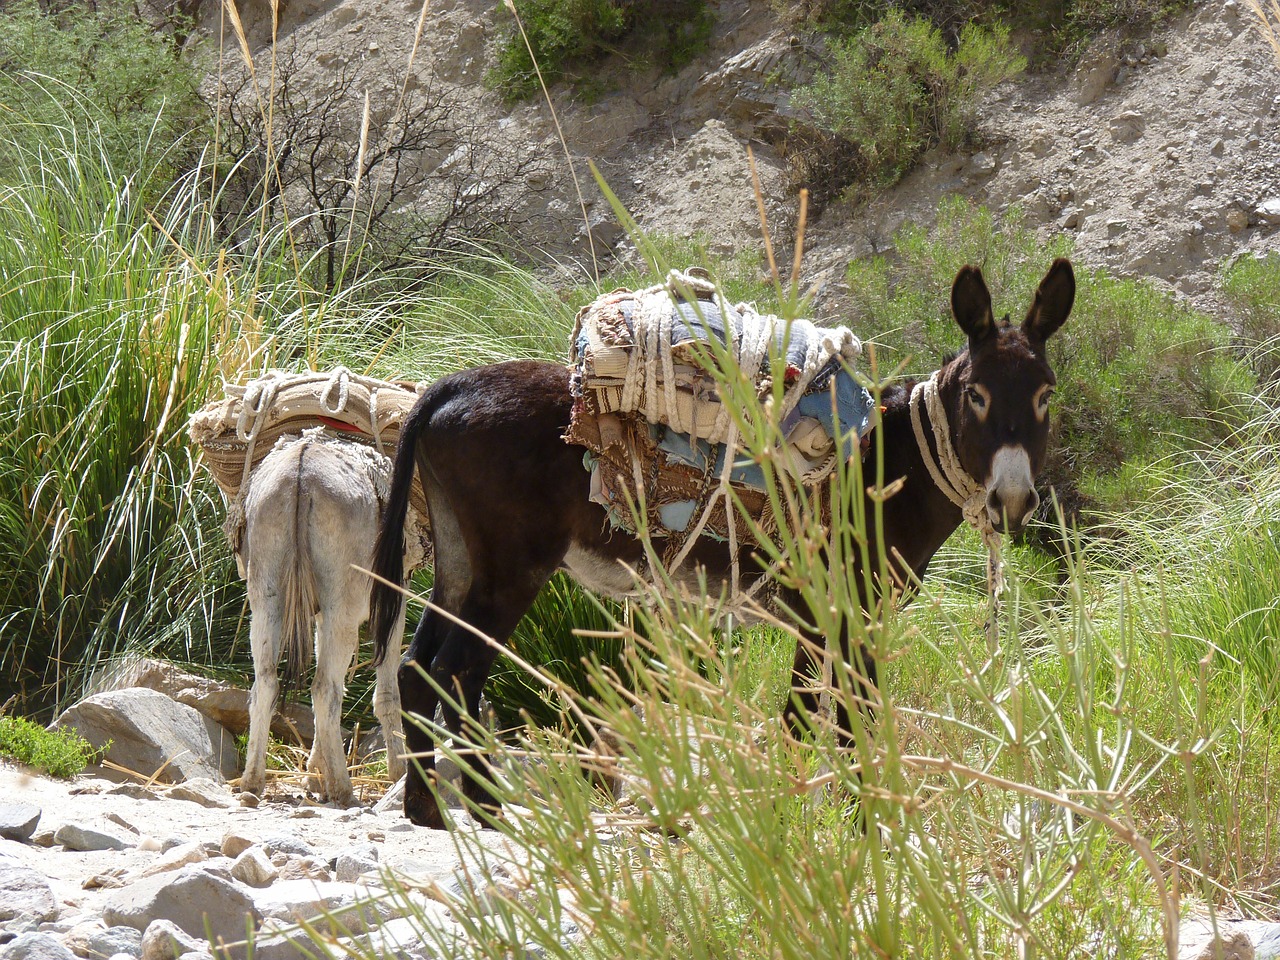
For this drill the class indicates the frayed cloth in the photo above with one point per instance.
(648, 407)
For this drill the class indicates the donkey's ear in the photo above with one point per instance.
(971, 304)
(1052, 305)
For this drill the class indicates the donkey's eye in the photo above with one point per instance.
(977, 398)
(1041, 401)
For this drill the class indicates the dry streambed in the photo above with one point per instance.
(92, 868)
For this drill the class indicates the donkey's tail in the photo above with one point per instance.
(385, 597)
(298, 591)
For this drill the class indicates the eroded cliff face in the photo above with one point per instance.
(1159, 155)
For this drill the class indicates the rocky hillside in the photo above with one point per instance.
(1159, 155)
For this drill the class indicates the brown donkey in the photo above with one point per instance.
(509, 499)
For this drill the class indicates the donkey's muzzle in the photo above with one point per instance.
(1011, 491)
(1009, 511)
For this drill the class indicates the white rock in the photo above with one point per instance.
(1127, 127)
(353, 862)
(24, 893)
(220, 702)
(287, 843)
(164, 939)
(353, 906)
(203, 791)
(176, 858)
(192, 898)
(18, 820)
(94, 940)
(153, 735)
(253, 867)
(1269, 210)
(234, 844)
(304, 868)
(36, 946)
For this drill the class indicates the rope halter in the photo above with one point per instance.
(950, 476)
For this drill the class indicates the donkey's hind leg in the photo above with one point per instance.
(419, 699)
(461, 668)
(337, 637)
(386, 701)
(265, 620)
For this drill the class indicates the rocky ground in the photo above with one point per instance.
(166, 861)
(93, 868)
(1159, 154)
(155, 863)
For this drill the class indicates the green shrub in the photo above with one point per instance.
(101, 64)
(60, 753)
(1045, 29)
(563, 34)
(1252, 285)
(1140, 376)
(894, 90)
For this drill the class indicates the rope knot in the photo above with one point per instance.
(950, 476)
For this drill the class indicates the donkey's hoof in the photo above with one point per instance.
(424, 812)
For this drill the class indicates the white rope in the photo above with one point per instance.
(339, 380)
(950, 476)
(373, 421)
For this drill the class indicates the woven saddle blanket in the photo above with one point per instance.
(647, 402)
(236, 432)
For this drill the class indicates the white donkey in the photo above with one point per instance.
(311, 515)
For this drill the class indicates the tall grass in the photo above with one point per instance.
(120, 314)
(108, 343)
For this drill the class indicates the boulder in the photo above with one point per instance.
(18, 820)
(84, 836)
(175, 858)
(164, 940)
(341, 907)
(95, 940)
(203, 791)
(221, 702)
(253, 868)
(357, 860)
(154, 736)
(193, 899)
(24, 893)
(35, 946)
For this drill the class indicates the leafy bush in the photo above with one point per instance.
(1252, 284)
(1046, 30)
(60, 753)
(894, 90)
(1140, 376)
(565, 33)
(99, 63)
